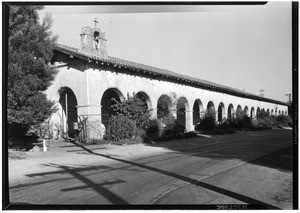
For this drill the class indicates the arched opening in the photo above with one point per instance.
(279, 112)
(68, 103)
(268, 112)
(257, 111)
(246, 111)
(110, 97)
(286, 112)
(145, 98)
(252, 112)
(182, 108)
(238, 110)
(272, 112)
(197, 111)
(230, 111)
(221, 111)
(211, 108)
(164, 105)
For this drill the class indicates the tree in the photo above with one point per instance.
(30, 49)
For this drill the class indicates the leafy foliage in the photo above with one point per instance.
(134, 109)
(242, 120)
(208, 122)
(30, 49)
(284, 120)
(171, 125)
(120, 128)
(262, 114)
(131, 120)
(164, 129)
(154, 129)
(163, 106)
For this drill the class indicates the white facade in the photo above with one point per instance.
(90, 84)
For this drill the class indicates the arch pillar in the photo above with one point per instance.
(62, 122)
(153, 111)
(90, 117)
(189, 126)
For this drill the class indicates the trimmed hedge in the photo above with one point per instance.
(120, 128)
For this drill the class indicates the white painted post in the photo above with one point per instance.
(66, 102)
(44, 145)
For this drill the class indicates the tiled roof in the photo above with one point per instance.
(184, 79)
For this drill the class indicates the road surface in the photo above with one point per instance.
(241, 168)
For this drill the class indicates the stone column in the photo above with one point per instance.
(153, 113)
(189, 121)
(90, 118)
(173, 111)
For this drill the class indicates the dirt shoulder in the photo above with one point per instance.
(73, 155)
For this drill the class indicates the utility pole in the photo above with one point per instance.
(261, 92)
(290, 97)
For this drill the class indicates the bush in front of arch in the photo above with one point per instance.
(208, 122)
(267, 121)
(120, 128)
(134, 109)
(154, 129)
(243, 121)
(284, 121)
(172, 126)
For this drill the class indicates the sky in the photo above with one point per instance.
(244, 47)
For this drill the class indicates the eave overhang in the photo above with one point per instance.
(137, 68)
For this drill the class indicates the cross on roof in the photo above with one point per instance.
(96, 21)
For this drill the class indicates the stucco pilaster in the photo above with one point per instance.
(189, 121)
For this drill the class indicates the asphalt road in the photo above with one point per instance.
(241, 168)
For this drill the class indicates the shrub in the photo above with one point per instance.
(163, 129)
(134, 109)
(172, 126)
(273, 121)
(270, 121)
(208, 122)
(167, 120)
(224, 125)
(154, 129)
(265, 122)
(120, 128)
(243, 121)
(232, 123)
(262, 114)
(284, 120)
(42, 130)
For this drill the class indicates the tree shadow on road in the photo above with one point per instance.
(68, 173)
(115, 199)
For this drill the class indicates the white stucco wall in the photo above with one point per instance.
(89, 86)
